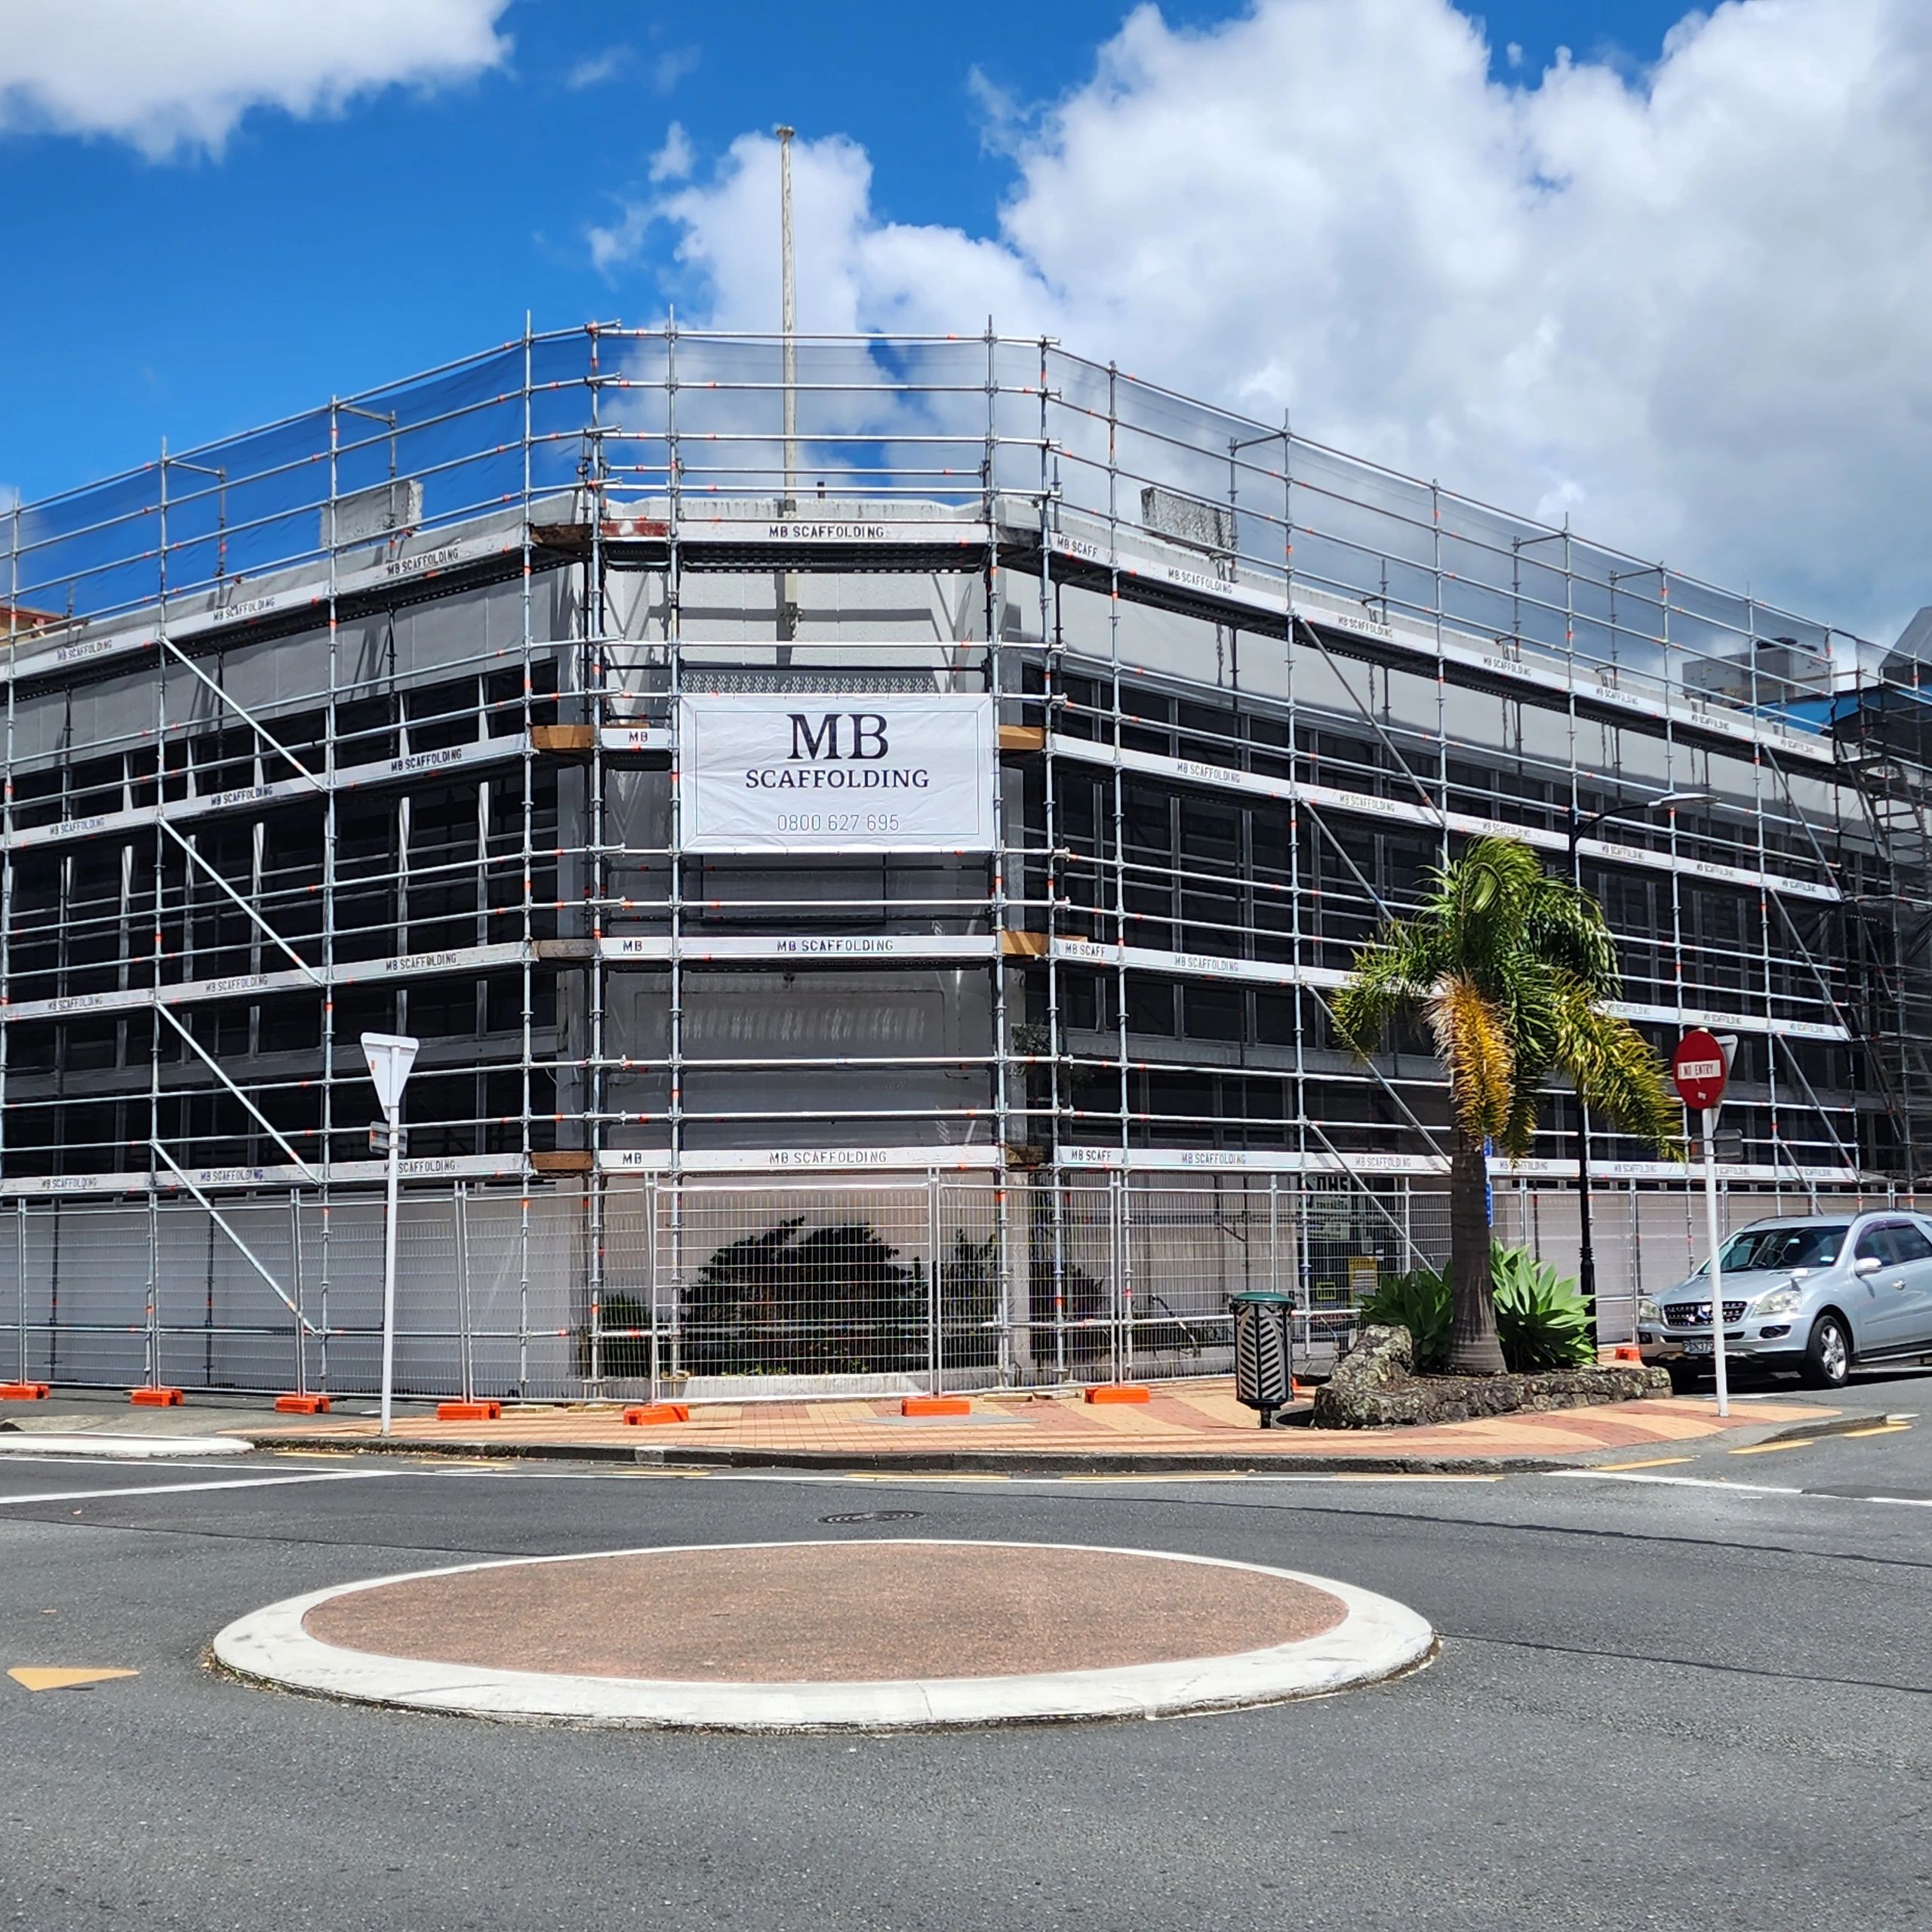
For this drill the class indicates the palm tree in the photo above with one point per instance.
(1510, 968)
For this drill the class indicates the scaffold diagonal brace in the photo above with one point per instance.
(241, 711)
(247, 1252)
(214, 1066)
(267, 929)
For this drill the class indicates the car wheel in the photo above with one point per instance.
(1827, 1355)
(1683, 1376)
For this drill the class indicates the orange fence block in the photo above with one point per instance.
(23, 1391)
(469, 1412)
(646, 1412)
(936, 1405)
(302, 1405)
(1118, 1392)
(156, 1398)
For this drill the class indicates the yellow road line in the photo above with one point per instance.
(1880, 1429)
(1649, 1463)
(1771, 1448)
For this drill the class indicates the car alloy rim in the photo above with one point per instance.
(1833, 1351)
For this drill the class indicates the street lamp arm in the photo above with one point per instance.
(1581, 823)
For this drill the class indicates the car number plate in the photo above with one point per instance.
(1701, 1346)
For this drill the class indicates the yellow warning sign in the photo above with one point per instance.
(53, 1677)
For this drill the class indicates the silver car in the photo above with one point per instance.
(1815, 1295)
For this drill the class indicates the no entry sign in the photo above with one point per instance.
(1697, 1070)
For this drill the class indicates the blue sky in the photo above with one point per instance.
(198, 295)
(192, 289)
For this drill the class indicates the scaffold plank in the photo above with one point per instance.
(698, 950)
(1199, 771)
(399, 770)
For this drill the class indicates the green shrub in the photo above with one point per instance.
(1418, 1301)
(1540, 1319)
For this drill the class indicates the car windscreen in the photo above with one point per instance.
(1782, 1247)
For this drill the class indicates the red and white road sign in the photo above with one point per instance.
(1697, 1070)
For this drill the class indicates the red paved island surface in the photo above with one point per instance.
(830, 1613)
(1181, 1420)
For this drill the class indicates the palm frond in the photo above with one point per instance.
(1479, 903)
(1388, 979)
(1567, 929)
(1615, 1070)
(1510, 967)
(1473, 1043)
(1518, 1134)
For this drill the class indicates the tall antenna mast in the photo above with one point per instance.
(788, 318)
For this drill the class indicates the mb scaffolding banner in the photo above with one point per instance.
(800, 771)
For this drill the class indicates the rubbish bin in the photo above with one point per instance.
(1263, 1368)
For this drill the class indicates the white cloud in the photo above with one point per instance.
(671, 67)
(1692, 307)
(179, 76)
(597, 68)
(675, 160)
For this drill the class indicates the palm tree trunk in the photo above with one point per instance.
(1473, 1348)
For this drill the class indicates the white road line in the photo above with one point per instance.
(956, 1477)
(1680, 1482)
(1741, 1488)
(184, 1488)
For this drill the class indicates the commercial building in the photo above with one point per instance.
(913, 796)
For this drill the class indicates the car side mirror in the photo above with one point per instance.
(1866, 1264)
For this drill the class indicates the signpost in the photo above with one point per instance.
(390, 1057)
(1699, 1069)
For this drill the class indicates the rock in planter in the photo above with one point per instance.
(1375, 1386)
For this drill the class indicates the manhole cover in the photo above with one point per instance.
(876, 1516)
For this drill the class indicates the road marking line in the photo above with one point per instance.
(1771, 1448)
(1683, 1482)
(183, 1488)
(1880, 1429)
(1654, 1462)
(49, 1677)
(1358, 1475)
(1747, 1488)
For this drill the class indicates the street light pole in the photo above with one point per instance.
(1586, 1255)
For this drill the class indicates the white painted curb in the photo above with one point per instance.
(143, 1448)
(1377, 1638)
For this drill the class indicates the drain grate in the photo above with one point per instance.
(876, 1516)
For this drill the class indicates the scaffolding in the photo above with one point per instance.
(368, 720)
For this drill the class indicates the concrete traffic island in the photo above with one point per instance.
(851, 1635)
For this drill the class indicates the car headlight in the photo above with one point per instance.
(1647, 1310)
(1780, 1301)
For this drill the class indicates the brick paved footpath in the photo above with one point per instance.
(1181, 1424)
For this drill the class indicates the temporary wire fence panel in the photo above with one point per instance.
(824, 1289)
(84, 1309)
(742, 1290)
(218, 1323)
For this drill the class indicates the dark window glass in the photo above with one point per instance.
(1215, 1012)
(1909, 1244)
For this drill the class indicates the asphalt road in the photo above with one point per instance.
(1698, 1693)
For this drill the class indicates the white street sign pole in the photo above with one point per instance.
(390, 1057)
(389, 1268)
(1716, 1272)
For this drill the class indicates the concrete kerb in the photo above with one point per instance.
(1378, 1638)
